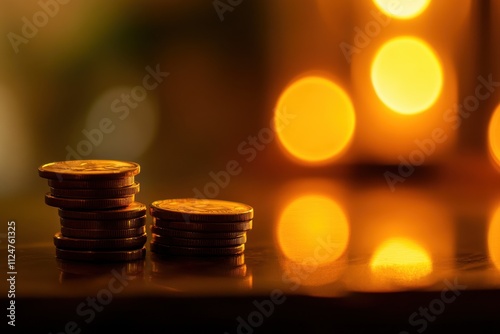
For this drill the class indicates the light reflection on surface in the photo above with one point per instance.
(309, 274)
(401, 260)
(407, 75)
(406, 213)
(403, 239)
(72, 272)
(494, 137)
(201, 275)
(323, 119)
(494, 238)
(309, 222)
(312, 234)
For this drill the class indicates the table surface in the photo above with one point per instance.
(313, 268)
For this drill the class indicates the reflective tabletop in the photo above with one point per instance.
(342, 253)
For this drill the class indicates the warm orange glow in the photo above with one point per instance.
(494, 238)
(309, 274)
(407, 75)
(403, 9)
(494, 136)
(401, 260)
(323, 120)
(313, 227)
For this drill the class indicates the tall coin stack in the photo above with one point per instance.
(100, 220)
(199, 227)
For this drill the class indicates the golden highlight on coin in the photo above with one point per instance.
(205, 210)
(88, 169)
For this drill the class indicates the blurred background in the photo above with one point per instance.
(368, 126)
(342, 90)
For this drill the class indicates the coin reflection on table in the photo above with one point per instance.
(320, 280)
(74, 270)
(201, 274)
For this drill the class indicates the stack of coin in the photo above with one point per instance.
(199, 227)
(100, 220)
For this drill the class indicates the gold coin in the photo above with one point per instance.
(92, 184)
(170, 232)
(84, 233)
(104, 224)
(204, 226)
(201, 210)
(134, 210)
(183, 242)
(88, 203)
(62, 242)
(88, 169)
(95, 193)
(195, 251)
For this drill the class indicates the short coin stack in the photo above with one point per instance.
(199, 227)
(100, 220)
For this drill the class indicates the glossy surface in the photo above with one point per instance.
(356, 251)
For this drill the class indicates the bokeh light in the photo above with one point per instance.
(401, 261)
(494, 238)
(15, 147)
(307, 224)
(407, 75)
(134, 124)
(494, 137)
(402, 9)
(323, 120)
